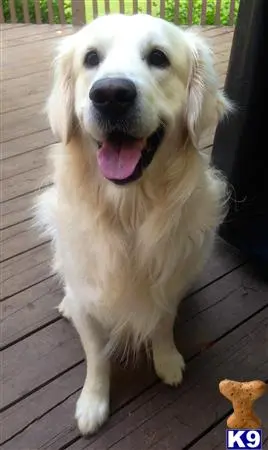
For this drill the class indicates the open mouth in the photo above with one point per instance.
(123, 158)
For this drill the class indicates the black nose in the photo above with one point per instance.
(113, 96)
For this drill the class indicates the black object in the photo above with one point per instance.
(241, 142)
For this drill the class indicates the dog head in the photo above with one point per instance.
(129, 83)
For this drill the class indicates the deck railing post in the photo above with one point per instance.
(12, 10)
(37, 10)
(2, 18)
(78, 12)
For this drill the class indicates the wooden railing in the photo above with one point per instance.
(78, 12)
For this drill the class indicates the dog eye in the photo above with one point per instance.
(157, 58)
(92, 59)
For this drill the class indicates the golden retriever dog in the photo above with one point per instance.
(134, 205)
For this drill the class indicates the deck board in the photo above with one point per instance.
(197, 313)
(167, 418)
(26, 94)
(17, 210)
(24, 183)
(150, 414)
(28, 143)
(30, 310)
(19, 122)
(221, 324)
(20, 238)
(24, 270)
(38, 338)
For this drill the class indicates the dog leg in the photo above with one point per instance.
(92, 408)
(168, 362)
(64, 309)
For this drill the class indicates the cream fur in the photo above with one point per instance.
(127, 255)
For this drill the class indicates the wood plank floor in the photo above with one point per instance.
(222, 328)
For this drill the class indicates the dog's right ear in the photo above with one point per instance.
(60, 106)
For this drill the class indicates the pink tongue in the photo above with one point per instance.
(117, 161)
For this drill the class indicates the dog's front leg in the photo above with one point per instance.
(92, 407)
(168, 362)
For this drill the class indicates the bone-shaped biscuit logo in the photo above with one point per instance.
(242, 395)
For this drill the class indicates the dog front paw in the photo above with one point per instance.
(92, 410)
(169, 366)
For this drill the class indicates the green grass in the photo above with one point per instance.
(114, 7)
(142, 6)
(128, 9)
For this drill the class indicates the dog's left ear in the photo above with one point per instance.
(206, 103)
(60, 106)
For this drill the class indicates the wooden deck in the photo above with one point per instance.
(222, 328)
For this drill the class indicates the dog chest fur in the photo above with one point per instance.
(129, 256)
